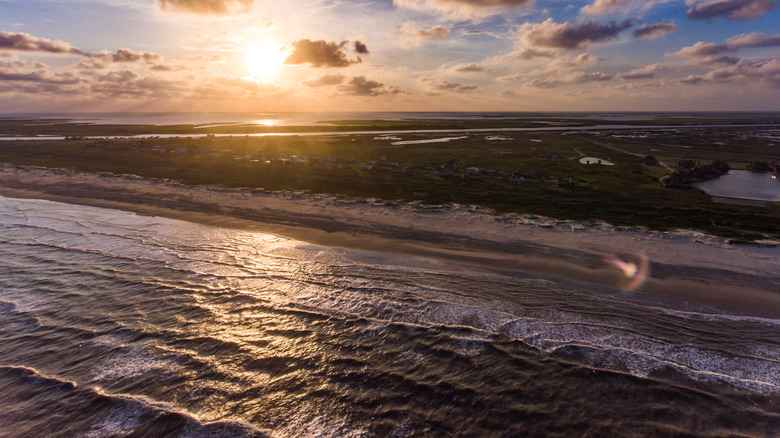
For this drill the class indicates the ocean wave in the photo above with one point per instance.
(111, 415)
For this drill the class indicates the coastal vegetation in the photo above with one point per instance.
(536, 173)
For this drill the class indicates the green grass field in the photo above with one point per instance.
(626, 194)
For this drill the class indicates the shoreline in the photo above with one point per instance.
(684, 265)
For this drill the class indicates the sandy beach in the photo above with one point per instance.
(684, 264)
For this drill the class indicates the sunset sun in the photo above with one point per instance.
(264, 60)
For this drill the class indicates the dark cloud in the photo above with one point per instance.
(569, 36)
(127, 55)
(361, 48)
(362, 86)
(326, 80)
(27, 43)
(207, 7)
(320, 54)
(654, 30)
(471, 68)
(40, 77)
(692, 79)
(730, 9)
(103, 60)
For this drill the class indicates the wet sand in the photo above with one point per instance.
(685, 265)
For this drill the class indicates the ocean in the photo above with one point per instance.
(114, 324)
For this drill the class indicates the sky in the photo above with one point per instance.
(389, 55)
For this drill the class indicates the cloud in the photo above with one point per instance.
(733, 45)
(361, 86)
(730, 9)
(326, 80)
(469, 9)
(168, 67)
(39, 77)
(127, 55)
(570, 79)
(570, 62)
(103, 59)
(646, 72)
(413, 36)
(761, 72)
(624, 7)
(119, 76)
(471, 68)
(320, 54)
(361, 48)
(207, 7)
(25, 42)
(527, 53)
(569, 36)
(554, 68)
(455, 87)
(601, 7)
(652, 31)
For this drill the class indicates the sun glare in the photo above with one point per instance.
(263, 60)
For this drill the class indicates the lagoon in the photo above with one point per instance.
(743, 184)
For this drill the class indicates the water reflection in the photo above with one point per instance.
(743, 184)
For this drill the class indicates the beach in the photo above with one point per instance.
(682, 265)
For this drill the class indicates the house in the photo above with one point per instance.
(678, 179)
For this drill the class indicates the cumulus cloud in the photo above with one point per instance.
(454, 87)
(104, 59)
(601, 7)
(207, 7)
(733, 45)
(570, 62)
(167, 67)
(326, 80)
(646, 72)
(361, 48)
(119, 76)
(362, 86)
(413, 36)
(25, 42)
(761, 73)
(569, 36)
(652, 31)
(469, 9)
(321, 54)
(470, 68)
(730, 9)
(570, 79)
